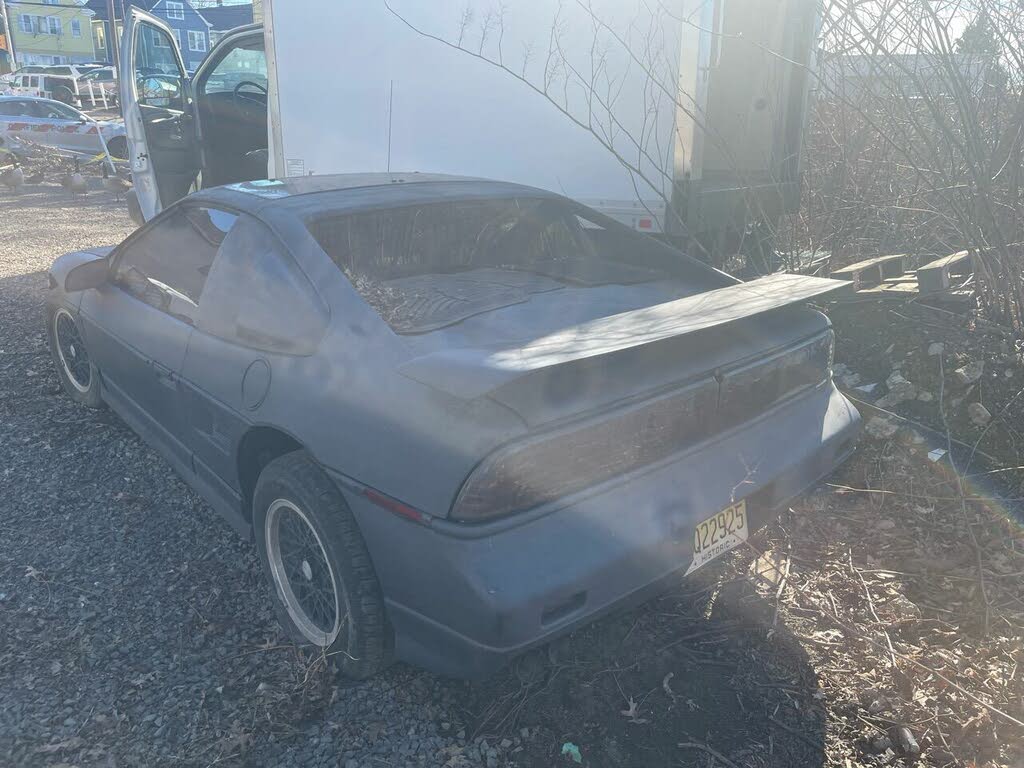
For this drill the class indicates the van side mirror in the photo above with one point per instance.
(91, 274)
(160, 91)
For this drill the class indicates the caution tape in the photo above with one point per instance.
(76, 128)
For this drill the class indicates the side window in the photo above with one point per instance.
(167, 266)
(12, 108)
(257, 296)
(244, 64)
(52, 110)
(158, 80)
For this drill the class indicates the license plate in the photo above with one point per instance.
(718, 534)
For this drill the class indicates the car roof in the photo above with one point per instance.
(18, 97)
(307, 196)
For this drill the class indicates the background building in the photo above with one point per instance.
(51, 31)
(196, 25)
(6, 61)
(223, 18)
(101, 28)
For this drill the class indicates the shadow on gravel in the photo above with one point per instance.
(700, 666)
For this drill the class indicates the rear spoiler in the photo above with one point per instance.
(470, 373)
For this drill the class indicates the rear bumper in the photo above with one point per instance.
(463, 600)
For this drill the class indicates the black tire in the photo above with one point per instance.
(79, 377)
(293, 491)
(118, 147)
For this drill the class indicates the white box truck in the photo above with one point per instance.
(684, 119)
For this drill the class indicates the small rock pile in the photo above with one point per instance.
(961, 382)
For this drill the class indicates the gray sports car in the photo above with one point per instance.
(458, 417)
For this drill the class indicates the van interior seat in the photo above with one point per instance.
(234, 136)
(231, 100)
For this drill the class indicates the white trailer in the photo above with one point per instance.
(681, 116)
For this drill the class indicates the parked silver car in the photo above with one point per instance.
(26, 120)
(458, 417)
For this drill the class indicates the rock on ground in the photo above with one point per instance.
(879, 428)
(979, 414)
(969, 373)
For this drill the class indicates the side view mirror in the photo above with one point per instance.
(91, 274)
(159, 91)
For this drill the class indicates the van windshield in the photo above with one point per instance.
(426, 266)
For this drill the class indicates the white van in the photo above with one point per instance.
(336, 86)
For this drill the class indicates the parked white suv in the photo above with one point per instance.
(97, 88)
(56, 70)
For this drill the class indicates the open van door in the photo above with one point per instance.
(159, 113)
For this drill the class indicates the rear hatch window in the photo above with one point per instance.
(424, 267)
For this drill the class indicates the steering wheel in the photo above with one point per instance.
(237, 92)
(247, 102)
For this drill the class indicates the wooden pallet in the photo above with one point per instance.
(937, 276)
(902, 287)
(871, 272)
(938, 282)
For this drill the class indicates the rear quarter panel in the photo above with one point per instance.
(353, 410)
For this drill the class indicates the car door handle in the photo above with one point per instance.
(164, 375)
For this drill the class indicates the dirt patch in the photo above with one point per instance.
(696, 667)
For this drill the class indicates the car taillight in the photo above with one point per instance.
(529, 474)
(536, 471)
(754, 387)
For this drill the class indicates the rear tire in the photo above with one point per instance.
(78, 376)
(325, 590)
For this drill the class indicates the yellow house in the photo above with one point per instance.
(51, 31)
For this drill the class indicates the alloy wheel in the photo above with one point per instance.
(72, 352)
(303, 574)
